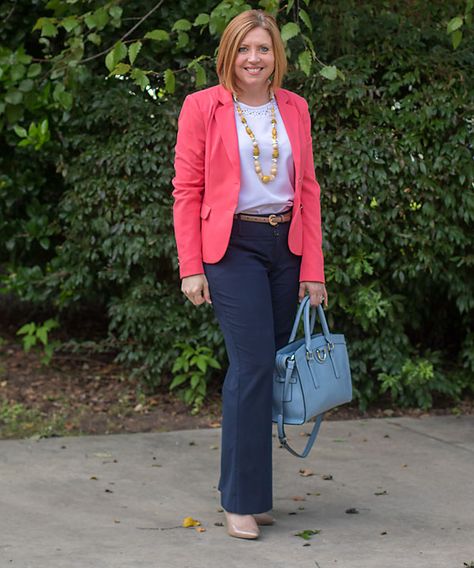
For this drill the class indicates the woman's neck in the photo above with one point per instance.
(254, 98)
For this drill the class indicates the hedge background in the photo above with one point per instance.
(85, 208)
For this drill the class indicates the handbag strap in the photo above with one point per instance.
(280, 418)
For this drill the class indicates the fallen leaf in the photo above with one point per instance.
(308, 533)
(381, 493)
(327, 476)
(352, 511)
(306, 472)
(298, 498)
(213, 447)
(190, 522)
(200, 529)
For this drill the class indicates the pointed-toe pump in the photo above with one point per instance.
(263, 518)
(241, 526)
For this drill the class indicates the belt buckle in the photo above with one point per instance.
(272, 219)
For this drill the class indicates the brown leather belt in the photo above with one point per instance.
(272, 219)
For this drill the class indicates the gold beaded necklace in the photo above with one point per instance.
(256, 149)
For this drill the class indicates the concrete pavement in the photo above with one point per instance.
(119, 500)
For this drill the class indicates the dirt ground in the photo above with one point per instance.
(90, 394)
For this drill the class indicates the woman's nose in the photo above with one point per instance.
(253, 56)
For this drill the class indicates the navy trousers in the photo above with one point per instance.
(254, 293)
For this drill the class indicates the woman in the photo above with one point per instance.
(248, 232)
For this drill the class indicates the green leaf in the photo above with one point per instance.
(14, 97)
(158, 35)
(20, 131)
(28, 342)
(304, 61)
(115, 12)
(69, 23)
(26, 85)
(289, 30)
(456, 38)
(181, 24)
(170, 81)
(140, 78)
(183, 39)
(17, 71)
(178, 380)
(101, 18)
(341, 75)
(49, 30)
(33, 70)
(97, 20)
(306, 19)
(94, 38)
(42, 335)
(109, 60)
(27, 328)
(44, 126)
(133, 50)
(120, 51)
(200, 75)
(195, 380)
(454, 24)
(289, 6)
(329, 72)
(120, 69)
(201, 20)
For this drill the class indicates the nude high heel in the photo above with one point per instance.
(263, 518)
(241, 526)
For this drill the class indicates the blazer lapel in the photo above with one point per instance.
(225, 120)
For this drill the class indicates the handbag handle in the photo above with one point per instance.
(305, 307)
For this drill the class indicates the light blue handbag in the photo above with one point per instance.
(311, 376)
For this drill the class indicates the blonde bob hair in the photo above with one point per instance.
(231, 39)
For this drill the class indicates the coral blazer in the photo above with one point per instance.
(207, 181)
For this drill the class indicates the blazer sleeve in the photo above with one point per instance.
(188, 183)
(312, 261)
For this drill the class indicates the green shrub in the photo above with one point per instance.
(87, 218)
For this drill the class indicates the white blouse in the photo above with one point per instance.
(256, 197)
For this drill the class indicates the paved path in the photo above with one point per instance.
(118, 500)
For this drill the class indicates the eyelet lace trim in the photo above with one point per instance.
(262, 110)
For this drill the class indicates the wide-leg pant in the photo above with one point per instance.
(254, 293)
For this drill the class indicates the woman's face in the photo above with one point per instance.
(255, 60)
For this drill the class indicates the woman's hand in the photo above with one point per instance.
(317, 293)
(196, 289)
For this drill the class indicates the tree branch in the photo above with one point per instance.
(131, 30)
